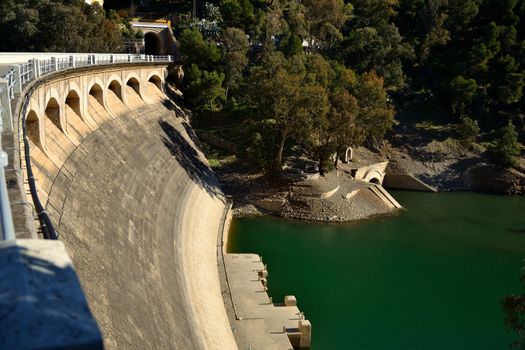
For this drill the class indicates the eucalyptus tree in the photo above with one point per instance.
(235, 48)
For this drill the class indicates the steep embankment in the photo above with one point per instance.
(139, 211)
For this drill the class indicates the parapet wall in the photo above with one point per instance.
(135, 203)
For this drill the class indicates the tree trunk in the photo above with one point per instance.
(280, 147)
(336, 160)
(321, 165)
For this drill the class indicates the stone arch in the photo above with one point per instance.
(33, 129)
(52, 112)
(153, 44)
(135, 84)
(155, 79)
(96, 91)
(116, 87)
(374, 176)
(73, 101)
(52, 93)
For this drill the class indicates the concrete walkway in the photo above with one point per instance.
(259, 324)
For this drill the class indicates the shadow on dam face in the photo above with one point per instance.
(189, 159)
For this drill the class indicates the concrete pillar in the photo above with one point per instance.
(17, 78)
(6, 120)
(305, 328)
(72, 62)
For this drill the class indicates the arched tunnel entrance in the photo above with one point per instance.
(375, 180)
(153, 44)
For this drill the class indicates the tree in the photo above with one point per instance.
(423, 24)
(468, 131)
(235, 47)
(373, 42)
(462, 93)
(204, 88)
(203, 83)
(506, 151)
(375, 113)
(210, 25)
(280, 94)
(57, 25)
(324, 20)
(237, 13)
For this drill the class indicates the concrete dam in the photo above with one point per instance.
(141, 215)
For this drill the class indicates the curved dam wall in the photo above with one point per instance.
(135, 203)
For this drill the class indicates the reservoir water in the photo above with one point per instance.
(429, 277)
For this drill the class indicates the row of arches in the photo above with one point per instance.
(61, 126)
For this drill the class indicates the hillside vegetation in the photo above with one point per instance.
(326, 74)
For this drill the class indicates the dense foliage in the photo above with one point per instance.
(57, 25)
(273, 57)
(463, 58)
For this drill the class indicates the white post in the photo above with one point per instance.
(54, 62)
(72, 61)
(36, 67)
(34, 64)
(17, 79)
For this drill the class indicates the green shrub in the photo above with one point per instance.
(506, 150)
(468, 131)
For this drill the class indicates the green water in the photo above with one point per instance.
(431, 277)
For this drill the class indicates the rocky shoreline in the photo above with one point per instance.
(442, 164)
(336, 197)
(448, 166)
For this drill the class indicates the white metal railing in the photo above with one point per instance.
(19, 76)
(46, 66)
(26, 72)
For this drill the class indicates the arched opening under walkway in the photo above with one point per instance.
(53, 113)
(33, 128)
(155, 79)
(153, 44)
(134, 83)
(76, 127)
(73, 101)
(96, 92)
(133, 96)
(116, 88)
